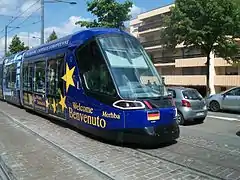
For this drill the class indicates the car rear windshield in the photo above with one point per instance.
(191, 94)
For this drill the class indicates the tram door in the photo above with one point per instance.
(27, 80)
(55, 101)
(39, 88)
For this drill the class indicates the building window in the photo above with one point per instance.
(194, 70)
(192, 52)
(231, 71)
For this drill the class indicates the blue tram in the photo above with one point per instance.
(11, 78)
(1, 78)
(100, 80)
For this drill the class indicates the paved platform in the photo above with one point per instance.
(118, 162)
(29, 157)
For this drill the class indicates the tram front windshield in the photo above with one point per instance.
(132, 70)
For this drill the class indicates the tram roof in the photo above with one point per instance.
(75, 39)
(13, 58)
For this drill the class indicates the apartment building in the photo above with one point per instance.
(183, 66)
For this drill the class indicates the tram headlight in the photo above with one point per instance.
(127, 104)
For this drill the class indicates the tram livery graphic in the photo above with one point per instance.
(99, 80)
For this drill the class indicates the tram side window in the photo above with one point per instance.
(30, 76)
(52, 71)
(11, 76)
(94, 69)
(39, 84)
(60, 74)
(55, 73)
(1, 72)
(8, 77)
(25, 77)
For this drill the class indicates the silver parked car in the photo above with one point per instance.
(227, 100)
(189, 103)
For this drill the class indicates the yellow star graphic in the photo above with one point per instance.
(47, 103)
(54, 106)
(62, 102)
(68, 77)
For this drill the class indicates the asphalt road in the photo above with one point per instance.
(218, 127)
(212, 147)
(224, 116)
(210, 150)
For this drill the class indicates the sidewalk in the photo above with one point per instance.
(30, 158)
(119, 163)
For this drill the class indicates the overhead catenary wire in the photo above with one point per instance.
(17, 27)
(18, 16)
(9, 16)
(22, 26)
(23, 12)
(27, 18)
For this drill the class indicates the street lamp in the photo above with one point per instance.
(34, 37)
(6, 28)
(56, 1)
(42, 14)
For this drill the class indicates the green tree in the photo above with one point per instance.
(52, 36)
(210, 25)
(16, 46)
(109, 13)
(7, 54)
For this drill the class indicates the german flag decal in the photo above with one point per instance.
(153, 116)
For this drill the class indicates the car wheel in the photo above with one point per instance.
(180, 118)
(214, 106)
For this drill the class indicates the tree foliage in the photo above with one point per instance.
(52, 36)
(210, 25)
(109, 13)
(16, 46)
(8, 54)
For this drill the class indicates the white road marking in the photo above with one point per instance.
(225, 118)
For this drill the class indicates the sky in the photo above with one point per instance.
(60, 17)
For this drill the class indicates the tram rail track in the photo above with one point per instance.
(181, 165)
(227, 152)
(107, 176)
(143, 154)
(5, 173)
(104, 175)
(216, 172)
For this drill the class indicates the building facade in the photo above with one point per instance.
(183, 66)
